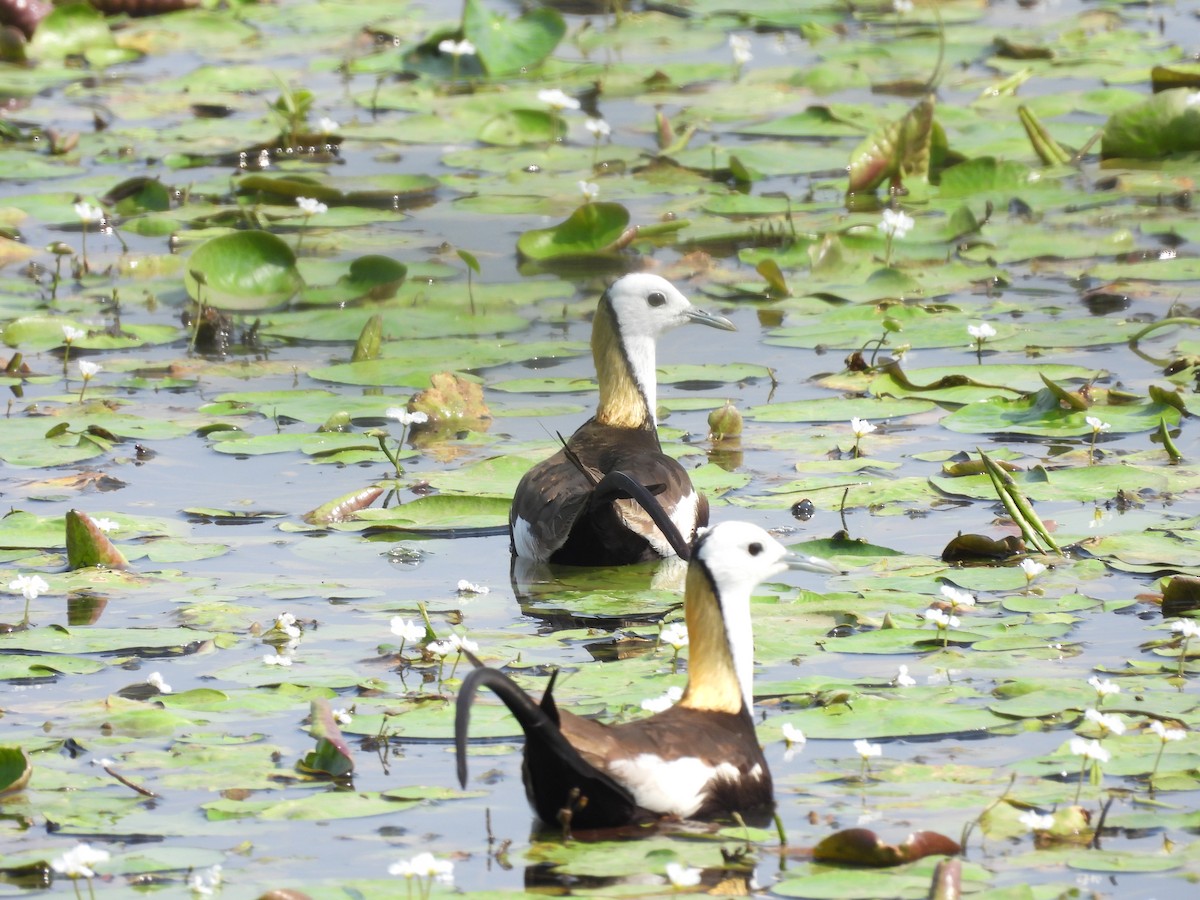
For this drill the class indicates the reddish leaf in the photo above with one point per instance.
(87, 545)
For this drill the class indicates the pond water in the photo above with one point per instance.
(1067, 264)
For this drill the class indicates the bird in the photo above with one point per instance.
(567, 509)
(699, 759)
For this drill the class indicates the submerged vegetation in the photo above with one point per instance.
(292, 294)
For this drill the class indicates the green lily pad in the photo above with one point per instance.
(243, 271)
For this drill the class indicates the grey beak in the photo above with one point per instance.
(799, 562)
(706, 318)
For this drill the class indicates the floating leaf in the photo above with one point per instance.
(594, 229)
(245, 270)
(88, 545)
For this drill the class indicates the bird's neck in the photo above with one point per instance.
(626, 372)
(720, 648)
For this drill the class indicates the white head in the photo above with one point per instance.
(645, 306)
(738, 556)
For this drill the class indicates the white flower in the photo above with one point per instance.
(675, 636)
(896, 223)
(1097, 425)
(682, 876)
(589, 190)
(404, 417)
(739, 46)
(88, 369)
(1108, 722)
(424, 865)
(1032, 568)
(311, 207)
(981, 332)
(72, 334)
(30, 586)
(792, 734)
(557, 100)
(940, 619)
(277, 659)
(866, 749)
(88, 213)
(204, 883)
(1089, 749)
(1035, 821)
(326, 125)
(155, 679)
(285, 622)
(1103, 687)
(903, 679)
(666, 701)
(902, 6)
(342, 717)
(456, 48)
(105, 525)
(440, 649)
(1186, 627)
(1167, 734)
(956, 597)
(860, 427)
(598, 127)
(460, 643)
(406, 630)
(466, 587)
(78, 861)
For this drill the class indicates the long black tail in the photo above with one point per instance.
(619, 486)
(557, 777)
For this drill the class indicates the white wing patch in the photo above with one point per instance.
(683, 515)
(527, 547)
(675, 788)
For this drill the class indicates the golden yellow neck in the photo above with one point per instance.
(712, 676)
(622, 404)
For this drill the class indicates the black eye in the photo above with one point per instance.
(656, 298)
(755, 549)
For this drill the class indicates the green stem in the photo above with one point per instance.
(1183, 656)
(1154, 770)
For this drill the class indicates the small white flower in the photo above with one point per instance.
(903, 679)
(466, 587)
(72, 334)
(155, 680)
(285, 623)
(456, 48)
(981, 332)
(342, 717)
(675, 636)
(867, 750)
(861, 427)
(440, 649)
(682, 876)
(956, 597)
(105, 525)
(1166, 734)
(460, 643)
(598, 127)
(30, 586)
(896, 224)
(902, 7)
(1089, 749)
(1103, 687)
(1108, 722)
(1186, 627)
(104, 762)
(739, 46)
(557, 100)
(326, 125)
(88, 369)
(1032, 568)
(792, 734)
(424, 865)
(78, 861)
(589, 190)
(277, 659)
(666, 701)
(311, 207)
(204, 883)
(88, 213)
(404, 417)
(940, 619)
(1097, 425)
(1035, 821)
(406, 630)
